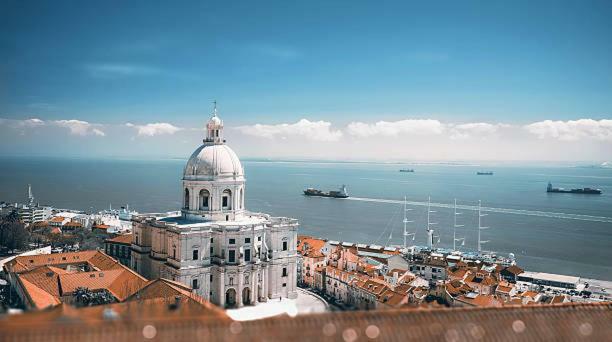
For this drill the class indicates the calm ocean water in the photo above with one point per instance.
(541, 242)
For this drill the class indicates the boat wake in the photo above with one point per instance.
(492, 210)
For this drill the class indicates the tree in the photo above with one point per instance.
(13, 234)
(85, 297)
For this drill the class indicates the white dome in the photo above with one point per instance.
(213, 161)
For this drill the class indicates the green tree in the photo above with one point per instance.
(85, 297)
(13, 234)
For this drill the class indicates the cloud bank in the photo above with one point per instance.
(572, 130)
(415, 139)
(310, 130)
(78, 127)
(153, 129)
(390, 129)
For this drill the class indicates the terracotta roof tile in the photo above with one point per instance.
(123, 239)
(564, 322)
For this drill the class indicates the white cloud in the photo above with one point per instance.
(78, 127)
(572, 130)
(33, 122)
(394, 128)
(152, 129)
(311, 130)
(474, 130)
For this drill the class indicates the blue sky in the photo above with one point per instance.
(459, 62)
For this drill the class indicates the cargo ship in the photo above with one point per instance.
(485, 173)
(341, 193)
(406, 170)
(586, 191)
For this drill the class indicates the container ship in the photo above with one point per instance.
(341, 193)
(406, 170)
(485, 173)
(586, 191)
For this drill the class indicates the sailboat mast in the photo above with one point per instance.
(479, 216)
(405, 223)
(455, 227)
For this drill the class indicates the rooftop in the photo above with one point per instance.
(559, 322)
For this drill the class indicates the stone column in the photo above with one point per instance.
(253, 283)
(239, 290)
(222, 289)
(264, 291)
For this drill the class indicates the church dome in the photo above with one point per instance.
(213, 161)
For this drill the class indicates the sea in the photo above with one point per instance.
(556, 233)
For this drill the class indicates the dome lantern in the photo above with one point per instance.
(214, 128)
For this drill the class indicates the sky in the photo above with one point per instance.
(354, 80)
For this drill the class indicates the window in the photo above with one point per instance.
(204, 199)
(212, 251)
(186, 199)
(211, 277)
(232, 241)
(225, 202)
(259, 238)
(247, 255)
(284, 284)
(284, 245)
(195, 254)
(284, 271)
(173, 252)
(232, 256)
(194, 284)
(247, 240)
(212, 240)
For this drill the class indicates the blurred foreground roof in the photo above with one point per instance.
(141, 321)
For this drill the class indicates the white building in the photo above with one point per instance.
(227, 254)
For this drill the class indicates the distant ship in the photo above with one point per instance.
(406, 170)
(586, 191)
(485, 173)
(341, 193)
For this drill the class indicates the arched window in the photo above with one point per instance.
(204, 199)
(186, 198)
(226, 200)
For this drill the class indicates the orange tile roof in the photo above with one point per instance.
(514, 269)
(310, 247)
(57, 219)
(37, 273)
(95, 259)
(38, 297)
(481, 300)
(123, 239)
(100, 226)
(560, 322)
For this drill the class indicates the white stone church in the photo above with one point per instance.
(228, 255)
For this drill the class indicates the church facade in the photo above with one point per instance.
(228, 255)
